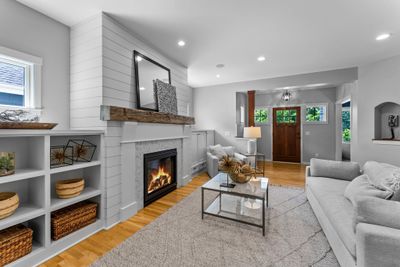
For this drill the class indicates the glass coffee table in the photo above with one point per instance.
(245, 203)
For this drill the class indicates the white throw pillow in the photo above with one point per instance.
(218, 151)
(229, 150)
(381, 175)
(361, 186)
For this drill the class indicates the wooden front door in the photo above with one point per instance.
(286, 134)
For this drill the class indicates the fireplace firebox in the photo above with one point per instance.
(159, 174)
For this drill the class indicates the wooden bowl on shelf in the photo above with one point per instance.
(9, 202)
(70, 188)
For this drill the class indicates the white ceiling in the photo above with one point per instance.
(295, 36)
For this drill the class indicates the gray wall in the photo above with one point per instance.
(319, 140)
(28, 31)
(378, 83)
(215, 106)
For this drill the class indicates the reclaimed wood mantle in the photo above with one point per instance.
(113, 113)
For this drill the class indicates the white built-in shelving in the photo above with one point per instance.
(34, 181)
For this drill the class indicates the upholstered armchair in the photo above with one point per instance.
(215, 153)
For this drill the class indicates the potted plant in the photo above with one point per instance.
(7, 163)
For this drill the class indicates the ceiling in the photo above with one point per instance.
(294, 36)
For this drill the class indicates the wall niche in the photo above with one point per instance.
(382, 128)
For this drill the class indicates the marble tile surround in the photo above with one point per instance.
(150, 147)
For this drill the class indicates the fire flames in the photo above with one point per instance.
(158, 178)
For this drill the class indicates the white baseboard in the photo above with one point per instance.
(128, 211)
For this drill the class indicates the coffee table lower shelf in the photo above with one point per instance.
(225, 206)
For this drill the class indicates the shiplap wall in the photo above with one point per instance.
(118, 89)
(102, 73)
(86, 74)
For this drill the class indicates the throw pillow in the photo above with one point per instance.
(381, 175)
(229, 150)
(395, 186)
(218, 151)
(361, 186)
(334, 169)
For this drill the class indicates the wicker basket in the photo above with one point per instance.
(72, 218)
(15, 242)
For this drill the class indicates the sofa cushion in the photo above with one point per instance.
(217, 151)
(361, 186)
(334, 169)
(381, 175)
(339, 211)
(378, 211)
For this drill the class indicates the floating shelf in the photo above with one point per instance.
(21, 174)
(395, 142)
(88, 192)
(75, 166)
(25, 212)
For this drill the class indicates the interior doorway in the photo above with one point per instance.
(287, 134)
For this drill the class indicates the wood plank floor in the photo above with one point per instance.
(90, 249)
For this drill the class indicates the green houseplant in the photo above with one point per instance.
(7, 163)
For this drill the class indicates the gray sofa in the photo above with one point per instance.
(212, 160)
(365, 234)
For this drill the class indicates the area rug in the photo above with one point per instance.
(180, 237)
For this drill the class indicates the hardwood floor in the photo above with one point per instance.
(87, 251)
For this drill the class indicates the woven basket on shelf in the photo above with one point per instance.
(9, 202)
(70, 188)
(15, 242)
(72, 218)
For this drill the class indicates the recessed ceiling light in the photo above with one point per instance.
(139, 58)
(220, 66)
(261, 58)
(142, 88)
(181, 43)
(217, 75)
(383, 36)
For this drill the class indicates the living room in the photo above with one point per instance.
(191, 133)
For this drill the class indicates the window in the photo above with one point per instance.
(14, 83)
(346, 123)
(20, 76)
(261, 115)
(316, 113)
(286, 116)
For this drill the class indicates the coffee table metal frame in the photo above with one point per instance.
(263, 199)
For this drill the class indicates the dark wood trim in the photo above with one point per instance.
(27, 125)
(251, 106)
(112, 113)
(135, 54)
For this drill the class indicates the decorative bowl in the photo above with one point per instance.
(9, 202)
(7, 163)
(239, 177)
(70, 188)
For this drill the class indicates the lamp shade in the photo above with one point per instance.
(252, 132)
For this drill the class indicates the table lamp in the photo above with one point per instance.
(252, 133)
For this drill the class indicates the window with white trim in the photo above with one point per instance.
(20, 76)
(316, 113)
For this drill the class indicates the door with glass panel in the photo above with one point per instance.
(286, 134)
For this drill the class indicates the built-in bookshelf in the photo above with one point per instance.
(34, 181)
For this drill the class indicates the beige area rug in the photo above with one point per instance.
(180, 237)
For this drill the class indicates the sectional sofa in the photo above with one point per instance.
(364, 232)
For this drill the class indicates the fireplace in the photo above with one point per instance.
(159, 174)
